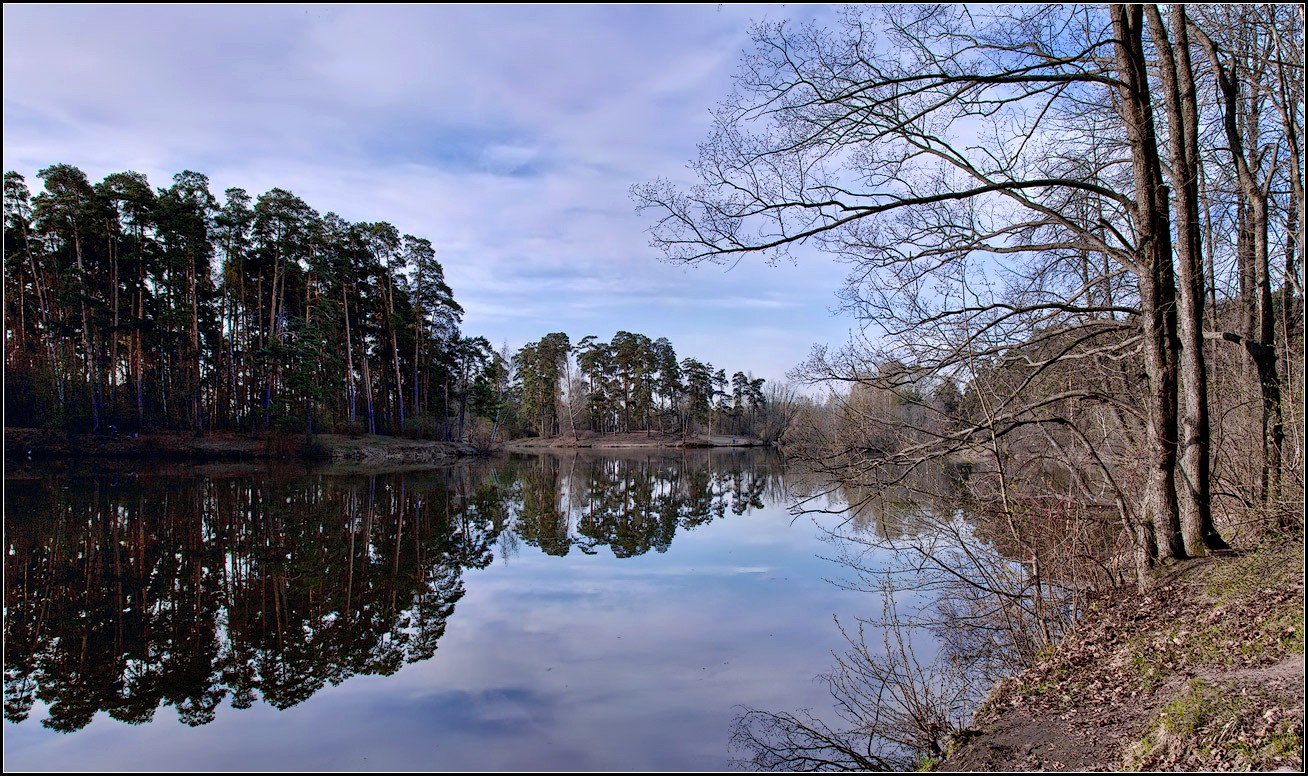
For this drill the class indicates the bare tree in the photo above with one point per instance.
(1245, 48)
(997, 181)
(1182, 113)
(896, 712)
(780, 406)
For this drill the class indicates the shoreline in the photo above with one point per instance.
(1204, 671)
(30, 445)
(638, 440)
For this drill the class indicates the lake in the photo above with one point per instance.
(583, 612)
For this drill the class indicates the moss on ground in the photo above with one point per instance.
(1216, 723)
(1202, 671)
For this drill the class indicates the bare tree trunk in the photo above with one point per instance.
(447, 409)
(194, 366)
(113, 339)
(1194, 492)
(271, 376)
(46, 313)
(349, 356)
(138, 358)
(395, 351)
(88, 359)
(399, 383)
(416, 407)
(1157, 284)
(367, 396)
(1259, 335)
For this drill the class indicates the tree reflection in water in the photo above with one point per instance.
(127, 593)
(633, 504)
(893, 711)
(987, 584)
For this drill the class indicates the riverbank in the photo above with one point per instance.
(27, 444)
(632, 441)
(1204, 672)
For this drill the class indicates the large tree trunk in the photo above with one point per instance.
(349, 357)
(416, 407)
(1198, 533)
(270, 378)
(88, 358)
(367, 395)
(194, 366)
(395, 354)
(1157, 285)
(113, 338)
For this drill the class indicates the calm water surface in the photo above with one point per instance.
(542, 613)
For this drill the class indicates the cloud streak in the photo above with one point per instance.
(508, 135)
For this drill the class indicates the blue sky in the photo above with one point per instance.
(507, 135)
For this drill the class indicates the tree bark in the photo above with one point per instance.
(1157, 284)
(349, 356)
(1199, 535)
(1255, 269)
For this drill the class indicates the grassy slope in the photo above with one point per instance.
(1203, 672)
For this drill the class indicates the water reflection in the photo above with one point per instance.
(632, 504)
(125, 594)
(978, 574)
(180, 591)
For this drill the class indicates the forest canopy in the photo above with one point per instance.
(130, 308)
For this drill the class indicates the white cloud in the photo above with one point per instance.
(508, 135)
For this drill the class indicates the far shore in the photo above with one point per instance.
(29, 444)
(631, 441)
(24, 445)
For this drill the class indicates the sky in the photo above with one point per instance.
(509, 136)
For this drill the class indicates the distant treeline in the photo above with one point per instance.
(630, 383)
(132, 308)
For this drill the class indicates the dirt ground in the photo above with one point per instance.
(1204, 672)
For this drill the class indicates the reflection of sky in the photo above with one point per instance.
(574, 663)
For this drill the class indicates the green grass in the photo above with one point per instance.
(1206, 719)
(1178, 727)
(1187, 713)
(1146, 667)
(1282, 747)
(1274, 566)
(1287, 629)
